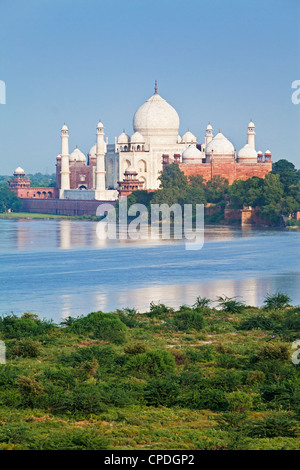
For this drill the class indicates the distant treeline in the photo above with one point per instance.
(37, 179)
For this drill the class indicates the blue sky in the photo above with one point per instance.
(78, 61)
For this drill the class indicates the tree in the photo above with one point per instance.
(216, 189)
(9, 200)
(287, 173)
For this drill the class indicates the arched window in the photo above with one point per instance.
(142, 166)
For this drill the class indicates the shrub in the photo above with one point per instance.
(155, 362)
(239, 402)
(257, 322)
(25, 326)
(201, 303)
(159, 309)
(276, 301)
(137, 348)
(227, 361)
(187, 319)
(275, 425)
(255, 377)
(111, 328)
(200, 354)
(230, 305)
(26, 347)
(270, 351)
(162, 391)
(206, 398)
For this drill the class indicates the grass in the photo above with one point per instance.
(216, 380)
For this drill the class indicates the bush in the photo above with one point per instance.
(257, 322)
(255, 377)
(276, 301)
(200, 354)
(156, 362)
(27, 347)
(188, 319)
(25, 326)
(159, 309)
(230, 305)
(239, 402)
(271, 351)
(162, 391)
(201, 303)
(275, 425)
(137, 348)
(111, 328)
(206, 398)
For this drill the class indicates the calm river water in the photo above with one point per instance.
(58, 268)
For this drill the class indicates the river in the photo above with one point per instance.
(59, 268)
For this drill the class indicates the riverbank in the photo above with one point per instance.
(34, 215)
(192, 378)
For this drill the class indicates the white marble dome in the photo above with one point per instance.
(247, 153)
(219, 145)
(77, 156)
(92, 152)
(191, 153)
(19, 171)
(156, 116)
(189, 138)
(137, 138)
(123, 138)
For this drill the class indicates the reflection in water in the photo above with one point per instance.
(60, 268)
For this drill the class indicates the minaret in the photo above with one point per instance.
(251, 135)
(100, 160)
(208, 135)
(64, 170)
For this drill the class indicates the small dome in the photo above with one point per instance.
(77, 156)
(64, 128)
(92, 152)
(100, 125)
(191, 153)
(251, 124)
(268, 152)
(123, 138)
(247, 152)
(209, 127)
(19, 171)
(219, 145)
(259, 152)
(188, 138)
(137, 138)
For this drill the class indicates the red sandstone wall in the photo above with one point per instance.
(229, 170)
(61, 206)
(77, 173)
(37, 193)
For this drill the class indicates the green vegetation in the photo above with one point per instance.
(8, 200)
(277, 194)
(197, 377)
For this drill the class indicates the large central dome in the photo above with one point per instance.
(156, 117)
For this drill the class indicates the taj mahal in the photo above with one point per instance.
(110, 171)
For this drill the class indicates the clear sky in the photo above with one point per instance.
(78, 61)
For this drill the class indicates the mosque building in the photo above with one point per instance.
(108, 172)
